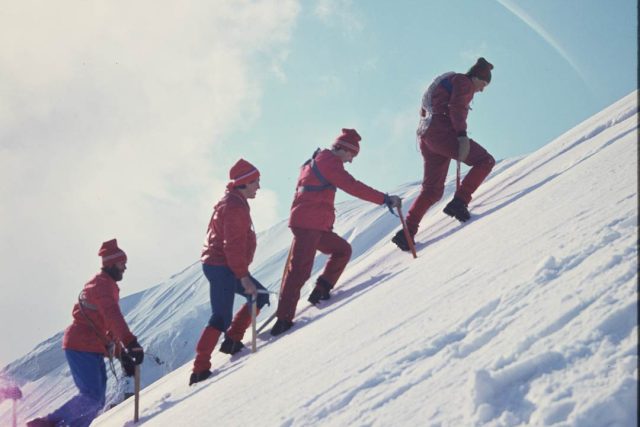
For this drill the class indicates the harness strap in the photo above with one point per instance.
(446, 84)
(426, 112)
(109, 344)
(324, 183)
(85, 304)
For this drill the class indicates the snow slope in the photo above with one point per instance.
(527, 315)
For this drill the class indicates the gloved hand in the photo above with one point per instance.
(463, 148)
(135, 352)
(128, 366)
(392, 201)
(10, 393)
(248, 286)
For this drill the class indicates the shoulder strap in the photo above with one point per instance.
(446, 84)
(443, 80)
(84, 304)
(324, 183)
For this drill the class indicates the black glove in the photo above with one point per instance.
(263, 294)
(135, 352)
(128, 366)
(392, 201)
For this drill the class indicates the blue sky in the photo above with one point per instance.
(124, 124)
(366, 65)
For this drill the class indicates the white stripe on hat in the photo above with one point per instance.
(348, 145)
(114, 256)
(245, 175)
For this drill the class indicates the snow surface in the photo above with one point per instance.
(526, 315)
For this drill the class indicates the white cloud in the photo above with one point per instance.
(112, 118)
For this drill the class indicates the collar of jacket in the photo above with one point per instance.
(238, 195)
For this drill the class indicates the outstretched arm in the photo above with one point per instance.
(335, 173)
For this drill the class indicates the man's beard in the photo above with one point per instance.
(114, 272)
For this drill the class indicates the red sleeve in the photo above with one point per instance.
(333, 171)
(461, 96)
(237, 224)
(107, 304)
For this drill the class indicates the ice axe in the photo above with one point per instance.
(136, 394)
(254, 313)
(15, 413)
(136, 387)
(14, 394)
(407, 236)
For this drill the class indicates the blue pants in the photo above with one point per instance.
(90, 375)
(223, 286)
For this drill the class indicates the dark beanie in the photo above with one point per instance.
(481, 69)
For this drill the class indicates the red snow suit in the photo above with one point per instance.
(97, 319)
(446, 106)
(230, 239)
(311, 221)
(315, 209)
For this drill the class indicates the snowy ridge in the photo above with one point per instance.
(527, 315)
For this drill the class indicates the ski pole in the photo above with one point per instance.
(407, 236)
(458, 176)
(254, 312)
(136, 403)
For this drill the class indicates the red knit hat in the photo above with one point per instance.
(111, 253)
(481, 69)
(349, 140)
(241, 173)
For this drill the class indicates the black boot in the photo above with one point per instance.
(321, 292)
(196, 377)
(401, 241)
(457, 209)
(281, 326)
(230, 346)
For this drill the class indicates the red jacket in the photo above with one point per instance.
(315, 209)
(452, 101)
(230, 239)
(97, 319)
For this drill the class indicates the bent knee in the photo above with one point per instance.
(485, 162)
(342, 252)
(490, 162)
(220, 323)
(347, 250)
